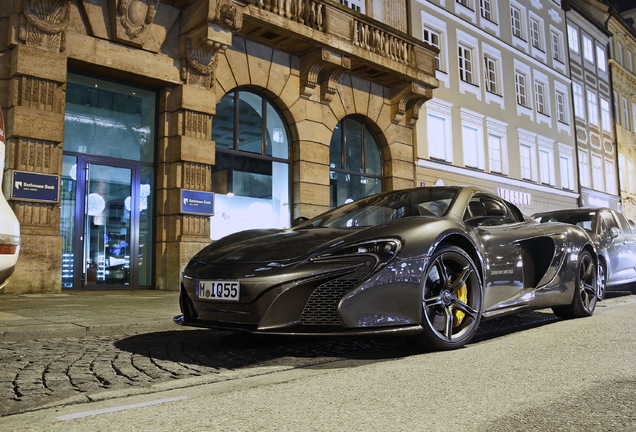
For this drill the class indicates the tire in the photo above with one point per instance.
(452, 300)
(585, 290)
(601, 278)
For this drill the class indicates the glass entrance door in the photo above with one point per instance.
(105, 223)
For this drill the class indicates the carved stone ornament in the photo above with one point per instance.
(42, 23)
(200, 61)
(135, 16)
(407, 101)
(322, 68)
(228, 15)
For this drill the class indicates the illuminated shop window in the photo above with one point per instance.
(250, 177)
(355, 162)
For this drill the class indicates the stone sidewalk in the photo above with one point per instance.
(86, 313)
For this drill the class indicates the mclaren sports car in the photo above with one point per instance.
(429, 263)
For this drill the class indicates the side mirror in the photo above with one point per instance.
(614, 232)
(299, 220)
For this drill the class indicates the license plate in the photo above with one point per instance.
(226, 290)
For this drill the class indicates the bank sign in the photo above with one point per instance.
(29, 186)
(197, 202)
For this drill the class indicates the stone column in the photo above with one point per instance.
(35, 132)
(185, 158)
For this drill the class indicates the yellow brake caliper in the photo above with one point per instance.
(462, 295)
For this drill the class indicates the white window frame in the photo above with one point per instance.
(546, 166)
(622, 172)
(592, 107)
(473, 139)
(429, 34)
(610, 176)
(517, 21)
(441, 110)
(634, 117)
(566, 167)
(466, 64)
(561, 106)
(488, 10)
(588, 49)
(521, 88)
(497, 146)
(606, 116)
(584, 168)
(630, 176)
(526, 161)
(625, 112)
(601, 58)
(573, 39)
(491, 74)
(541, 98)
(579, 101)
(556, 39)
(536, 33)
(630, 61)
(598, 176)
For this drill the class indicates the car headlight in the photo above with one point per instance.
(382, 249)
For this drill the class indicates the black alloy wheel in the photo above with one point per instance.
(585, 290)
(452, 299)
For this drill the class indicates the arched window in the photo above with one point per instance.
(250, 177)
(355, 162)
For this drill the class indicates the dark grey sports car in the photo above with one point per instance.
(430, 262)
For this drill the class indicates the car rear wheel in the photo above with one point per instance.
(585, 290)
(602, 281)
(451, 300)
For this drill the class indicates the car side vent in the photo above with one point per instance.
(322, 306)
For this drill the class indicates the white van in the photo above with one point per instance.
(9, 225)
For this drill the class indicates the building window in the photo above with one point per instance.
(521, 88)
(526, 161)
(561, 107)
(495, 145)
(466, 3)
(606, 118)
(601, 58)
(356, 5)
(579, 101)
(625, 106)
(487, 10)
(536, 34)
(465, 64)
(588, 49)
(355, 162)
(490, 75)
(573, 39)
(540, 98)
(473, 144)
(619, 52)
(433, 37)
(546, 166)
(567, 172)
(584, 168)
(610, 177)
(598, 178)
(630, 175)
(630, 61)
(557, 48)
(251, 171)
(592, 107)
(634, 117)
(439, 137)
(516, 21)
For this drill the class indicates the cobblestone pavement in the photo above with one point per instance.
(39, 373)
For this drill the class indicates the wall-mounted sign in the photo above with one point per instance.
(514, 196)
(197, 202)
(29, 186)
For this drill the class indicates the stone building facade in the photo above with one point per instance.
(151, 74)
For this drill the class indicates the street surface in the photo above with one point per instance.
(526, 372)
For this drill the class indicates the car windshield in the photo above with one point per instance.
(382, 208)
(582, 219)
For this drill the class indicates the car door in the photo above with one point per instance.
(617, 236)
(500, 229)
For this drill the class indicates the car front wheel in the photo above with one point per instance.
(452, 299)
(585, 290)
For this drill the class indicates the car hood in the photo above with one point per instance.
(264, 246)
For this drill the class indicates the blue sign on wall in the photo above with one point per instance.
(28, 186)
(197, 202)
